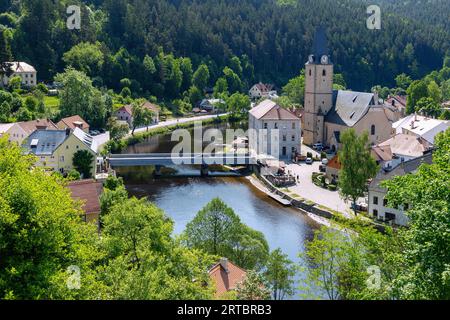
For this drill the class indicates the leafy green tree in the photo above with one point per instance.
(252, 287)
(15, 83)
(195, 95)
(85, 57)
(144, 261)
(425, 258)
(5, 111)
(403, 81)
(83, 161)
(295, 89)
(434, 92)
(217, 230)
(279, 274)
(141, 115)
(39, 222)
(238, 104)
(357, 165)
(428, 107)
(116, 129)
(233, 81)
(79, 97)
(221, 87)
(417, 90)
(200, 78)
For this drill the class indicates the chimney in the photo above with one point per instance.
(224, 264)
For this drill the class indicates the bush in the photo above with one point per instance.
(73, 175)
(323, 155)
(309, 154)
(332, 187)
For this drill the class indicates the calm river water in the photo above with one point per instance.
(182, 197)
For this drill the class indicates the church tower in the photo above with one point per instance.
(318, 90)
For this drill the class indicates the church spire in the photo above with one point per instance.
(320, 46)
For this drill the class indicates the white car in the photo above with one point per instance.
(317, 146)
(309, 161)
(325, 161)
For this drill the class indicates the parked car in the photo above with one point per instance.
(309, 161)
(322, 168)
(317, 146)
(325, 161)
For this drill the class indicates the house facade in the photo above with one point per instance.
(378, 206)
(275, 130)
(329, 112)
(262, 90)
(55, 149)
(23, 70)
(125, 113)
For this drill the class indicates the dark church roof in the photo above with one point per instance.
(349, 107)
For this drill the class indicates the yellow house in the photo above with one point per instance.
(55, 148)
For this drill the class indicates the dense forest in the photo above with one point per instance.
(271, 39)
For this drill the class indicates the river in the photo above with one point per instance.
(181, 197)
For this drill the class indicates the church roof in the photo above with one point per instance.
(350, 107)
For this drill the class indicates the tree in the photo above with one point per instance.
(79, 97)
(39, 222)
(144, 261)
(417, 90)
(83, 162)
(141, 115)
(425, 256)
(221, 87)
(194, 95)
(85, 57)
(238, 104)
(403, 81)
(295, 89)
(233, 81)
(357, 165)
(116, 129)
(15, 83)
(217, 230)
(434, 92)
(428, 107)
(252, 287)
(200, 78)
(278, 274)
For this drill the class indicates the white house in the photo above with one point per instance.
(125, 113)
(19, 131)
(378, 205)
(276, 131)
(420, 126)
(262, 90)
(25, 71)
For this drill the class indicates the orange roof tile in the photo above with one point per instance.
(226, 281)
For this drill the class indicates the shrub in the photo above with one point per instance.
(323, 155)
(309, 154)
(332, 187)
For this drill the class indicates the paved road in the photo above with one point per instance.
(308, 190)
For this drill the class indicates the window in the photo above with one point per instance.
(310, 72)
(284, 151)
(385, 202)
(265, 125)
(276, 125)
(67, 147)
(293, 125)
(284, 137)
(375, 213)
(372, 129)
(324, 73)
(78, 147)
(375, 200)
(293, 150)
(293, 137)
(61, 158)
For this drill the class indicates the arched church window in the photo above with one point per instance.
(310, 72)
(372, 129)
(324, 72)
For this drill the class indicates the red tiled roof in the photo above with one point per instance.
(69, 122)
(31, 126)
(226, 281)
(88, 191)
(151, 106)
(334, 163)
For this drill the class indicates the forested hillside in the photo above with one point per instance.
(272, 39)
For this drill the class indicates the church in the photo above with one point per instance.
(329, 112)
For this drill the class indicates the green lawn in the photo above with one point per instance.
(51, 102)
